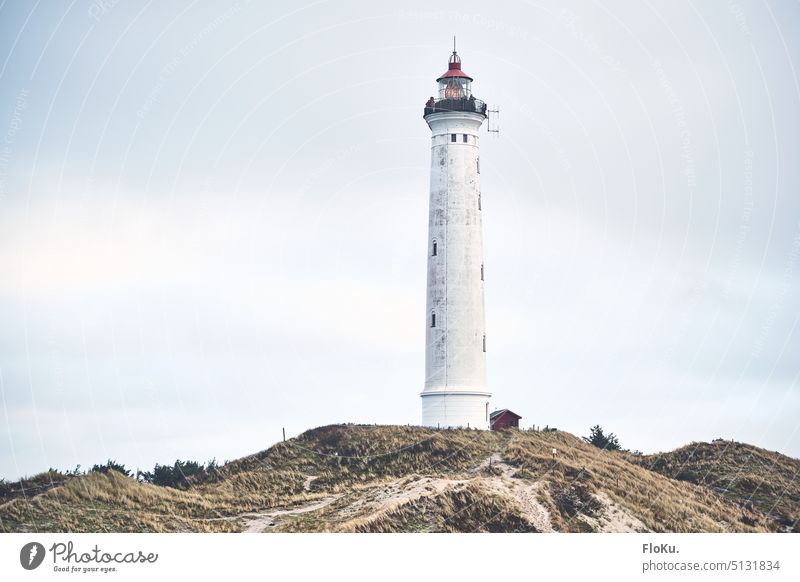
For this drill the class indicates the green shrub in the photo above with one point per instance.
(111, 465)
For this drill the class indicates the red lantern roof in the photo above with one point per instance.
(454, 69)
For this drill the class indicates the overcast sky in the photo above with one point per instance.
(213, 220)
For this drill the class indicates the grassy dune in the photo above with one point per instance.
(753, 477)
(389, 478)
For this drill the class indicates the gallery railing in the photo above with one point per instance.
(443, 105)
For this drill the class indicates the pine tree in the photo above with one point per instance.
(109, 466)
(596, 437)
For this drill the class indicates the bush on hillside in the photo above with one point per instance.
(176, 475)
(112, 465)
(598, 438)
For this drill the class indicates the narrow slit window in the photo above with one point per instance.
(479, 201)
(433, 252)
(452, 137)
(433, 321)
(478, 164)
(481, 271)
(465, 138)
(484, 342)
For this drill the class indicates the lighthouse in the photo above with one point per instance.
(455, 392)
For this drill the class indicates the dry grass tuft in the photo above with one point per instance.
(472, 508)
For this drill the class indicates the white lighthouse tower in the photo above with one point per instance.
(455, 394)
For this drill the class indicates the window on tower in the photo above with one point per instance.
(433, 252)
(484, 342)
(433, 320)
(481, 271)
(465, 138)
(478, 164)
(452, 137)
(479, 200)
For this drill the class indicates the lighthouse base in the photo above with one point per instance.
(455, 409)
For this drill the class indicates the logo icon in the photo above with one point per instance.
(31, 555)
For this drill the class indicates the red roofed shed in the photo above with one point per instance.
(500, 419)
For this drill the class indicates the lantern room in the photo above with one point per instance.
(455, 84)
(455, 91)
